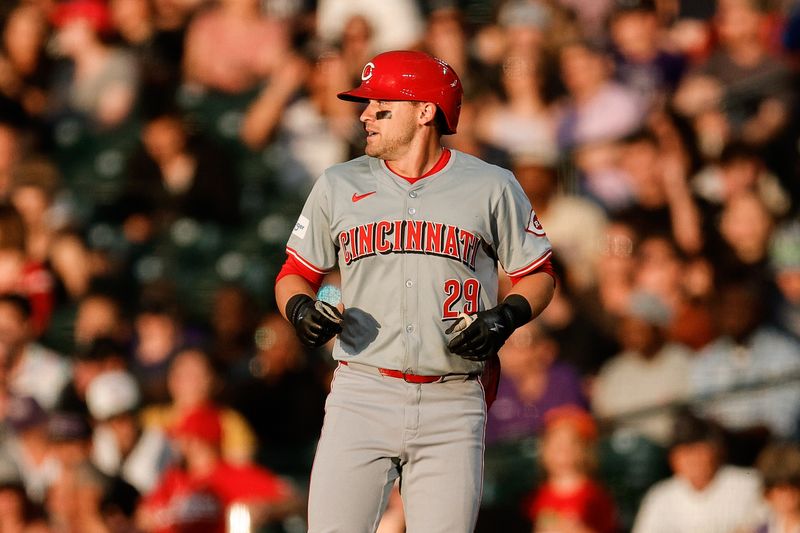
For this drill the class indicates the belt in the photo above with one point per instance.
(405, 376)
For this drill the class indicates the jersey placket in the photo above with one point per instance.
(411, 207)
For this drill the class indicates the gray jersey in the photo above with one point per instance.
(412, 257)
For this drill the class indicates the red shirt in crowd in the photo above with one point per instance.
(589, 504)
(181, 502)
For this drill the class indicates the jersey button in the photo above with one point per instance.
(409, 283)
(410, 328)
(412, 194)
(411, 211)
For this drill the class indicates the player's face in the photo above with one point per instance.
(390, 126)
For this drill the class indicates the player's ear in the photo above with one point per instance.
(427, 112)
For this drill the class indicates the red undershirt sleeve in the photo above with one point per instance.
(293, 266)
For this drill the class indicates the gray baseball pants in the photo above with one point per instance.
(379, 428)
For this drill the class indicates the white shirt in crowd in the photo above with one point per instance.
(731, 503)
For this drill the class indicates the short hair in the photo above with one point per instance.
(689, 429)
(779, 465)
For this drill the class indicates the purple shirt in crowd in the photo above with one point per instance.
(511, 418)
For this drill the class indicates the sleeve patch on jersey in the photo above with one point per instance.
(534, 226)
(300, 227)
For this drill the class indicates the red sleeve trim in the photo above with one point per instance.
(292, 265)
(309, 265)
(524, 271)
(546, 268)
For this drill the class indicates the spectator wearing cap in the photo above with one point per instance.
(33, 370)
(752, 357)
(784, 260)
(70, 439)
(28, 448)
(570, 499)
(650, 373)
(103, 82)
(779, 465)
(120, 446)
(703, 494)
(207, 478)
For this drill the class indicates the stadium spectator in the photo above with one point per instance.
(703, 494)
(587, 125)
(159, 62)
(232, 46)
(745, 246)
(32, 369)
(641, 60)
(533, 382)
(28, 448)
(22, 274)
(650, 372)
(753, 357)
(779, 466)
(158, 337)
(120, 446)
(24, 65)
(739, 169)
(199, 493)
(397, 24)
(35, 183)
(520, 123)
(100, 315)
(193, 383)
(661, 201)
(784, 259)
(570, 499)
(234, 318)
(576, 224)
(741, 91)
(281, 373)
(89, 361)
(101, 84)
(174, 175)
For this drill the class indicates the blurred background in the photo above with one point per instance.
(154, 155)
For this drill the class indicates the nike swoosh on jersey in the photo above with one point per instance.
(357, 197)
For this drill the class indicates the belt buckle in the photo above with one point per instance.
(405, 374)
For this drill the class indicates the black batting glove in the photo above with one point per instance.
(315, 322)
(489, 329)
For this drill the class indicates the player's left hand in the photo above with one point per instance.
(483, 335)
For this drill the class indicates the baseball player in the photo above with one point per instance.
(417, 232)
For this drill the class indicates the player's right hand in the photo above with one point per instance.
(315, 322)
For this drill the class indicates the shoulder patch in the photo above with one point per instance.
(300, 227)
(534, 226)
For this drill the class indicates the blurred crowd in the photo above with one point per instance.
(154, 155)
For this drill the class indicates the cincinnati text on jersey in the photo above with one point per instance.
(410, 237)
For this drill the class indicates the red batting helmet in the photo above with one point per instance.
(411, 76)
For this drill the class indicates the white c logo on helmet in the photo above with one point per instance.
(367, 72)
